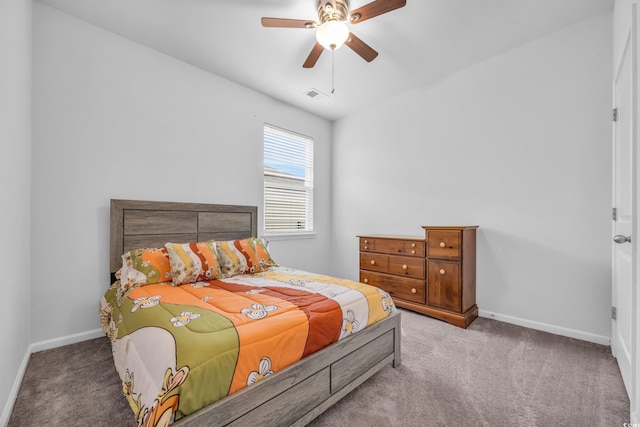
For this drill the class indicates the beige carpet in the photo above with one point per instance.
(491, 374)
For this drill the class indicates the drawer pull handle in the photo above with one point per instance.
(366, 280)
(442, 271)
(366, 247)
(413, 245)
(413, 252)
(442, 244)
(366, 241)
(405, 266)
(413, 290)
(373, 262)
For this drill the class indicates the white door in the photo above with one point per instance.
(623, 328)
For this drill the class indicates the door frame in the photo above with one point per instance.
(633, 46)
(635, 295)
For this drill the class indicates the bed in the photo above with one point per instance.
(292, 386)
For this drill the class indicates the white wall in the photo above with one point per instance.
(113, 119)
(519, 145)
(15, 185)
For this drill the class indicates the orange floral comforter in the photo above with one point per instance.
(178, 349)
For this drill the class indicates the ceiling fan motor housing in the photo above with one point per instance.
(333, 10)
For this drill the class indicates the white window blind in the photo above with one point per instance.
(288, 182)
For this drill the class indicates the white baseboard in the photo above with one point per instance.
(545, 327)
(66, 340)
(34, 348)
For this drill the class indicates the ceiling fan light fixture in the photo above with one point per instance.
(332, 34)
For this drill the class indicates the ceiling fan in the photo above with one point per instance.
(332, 31)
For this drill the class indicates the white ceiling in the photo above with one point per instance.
(418, 45)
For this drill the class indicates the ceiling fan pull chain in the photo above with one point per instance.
(333, 71)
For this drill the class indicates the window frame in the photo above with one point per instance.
(284, 182)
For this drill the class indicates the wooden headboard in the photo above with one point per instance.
(145, 224)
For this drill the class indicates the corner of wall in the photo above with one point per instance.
(13, 393)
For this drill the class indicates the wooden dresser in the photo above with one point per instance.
(435, 275)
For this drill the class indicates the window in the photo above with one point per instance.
(288, 182)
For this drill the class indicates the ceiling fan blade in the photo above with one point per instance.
(313, 56)
(361, 48)
(288, 23)
(373, 9)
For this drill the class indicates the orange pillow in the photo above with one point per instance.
(145, 266)
(244, 256)
(192, 262)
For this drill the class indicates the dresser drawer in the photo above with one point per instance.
(407, 247)
(443, 283)
(375, 262)
(398, 287)
(443, 244)
(406, 266)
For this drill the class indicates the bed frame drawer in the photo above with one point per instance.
(355, 364)
(279, 411)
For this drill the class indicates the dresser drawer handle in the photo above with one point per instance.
(366, 247)
(366, 241)
(405, 266)
(442, 271)
(413, 245)
(413, 290)
(373, 262)
(366, 280)
(413, 252)
(443, 244)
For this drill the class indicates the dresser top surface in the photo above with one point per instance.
(391, 236)
(448, 227)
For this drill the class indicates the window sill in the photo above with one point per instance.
(289, 236)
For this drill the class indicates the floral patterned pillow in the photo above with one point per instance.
(244, 256)
(145, 266)
(192, 262)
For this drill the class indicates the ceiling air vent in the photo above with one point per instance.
(315, 94)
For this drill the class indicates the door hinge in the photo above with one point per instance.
(615, 114)
(615, 214)
(614, 314)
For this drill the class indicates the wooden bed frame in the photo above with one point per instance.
(293, 396)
